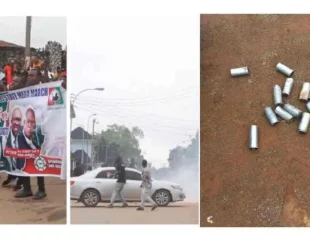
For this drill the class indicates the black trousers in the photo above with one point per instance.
(27, 187)
(11, 177)
(19, 182)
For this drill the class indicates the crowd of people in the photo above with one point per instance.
(33, 71)
(16, 75)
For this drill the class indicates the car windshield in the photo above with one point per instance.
(89, 174)
(152, 179)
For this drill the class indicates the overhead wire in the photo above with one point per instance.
(105, 113)
(144, 125)
(177, 92)
(137, 103)
(138, 114)
(93, 104)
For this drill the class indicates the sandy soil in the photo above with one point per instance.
(177, 213)
(239, 187)
(51, 210)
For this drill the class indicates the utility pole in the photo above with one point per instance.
(91, 145)
(88, 138)
(83, 148)
(106, 153)
(28, 36)
(99, 145)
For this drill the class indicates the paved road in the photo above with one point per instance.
(51, 210)
(178, 213)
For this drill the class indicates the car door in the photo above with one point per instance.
(132, 189)
(105, 183)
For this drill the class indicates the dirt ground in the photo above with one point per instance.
(177, 213)
(270, 186)
(51, 210)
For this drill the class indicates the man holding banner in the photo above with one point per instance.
(26, 150)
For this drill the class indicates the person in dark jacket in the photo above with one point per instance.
(120, 183)
(79, 170)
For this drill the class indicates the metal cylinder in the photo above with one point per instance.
(304, 94)
(283, 114)
(272, 118)
(304, 123)
(284, 69)
(292, 110)
(239, 71)
(253, 137)
(308, 106)
(277, 95)
(288, 86)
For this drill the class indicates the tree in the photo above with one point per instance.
(119, 140)
(180, 156)
(176, 157)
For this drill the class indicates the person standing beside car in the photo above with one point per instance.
(146, 187)
(120, 183)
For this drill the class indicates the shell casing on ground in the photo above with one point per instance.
(304, 123)
(271, 116)
(283, 114)
(277, 95)
(253, 145)
(294, 111)
(288, 86)
(284, 69)
(305, 91)
(239, 71)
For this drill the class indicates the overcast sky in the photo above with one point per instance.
(149, 67)
(44, 29)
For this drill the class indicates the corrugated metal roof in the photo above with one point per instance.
(77, 134)
(7, 44)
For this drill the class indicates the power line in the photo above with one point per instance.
(143, 113)
(133, 103)
(141, 103)
(138, 115)
(178, 92)
(143, 125)
(106, 113)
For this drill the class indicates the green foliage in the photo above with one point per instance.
(120, 140)
(180, 156)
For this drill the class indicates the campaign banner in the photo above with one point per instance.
(33, 131)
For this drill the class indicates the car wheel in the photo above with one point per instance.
(90, 198)
(162, 197)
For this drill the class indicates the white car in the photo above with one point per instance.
(97, 186)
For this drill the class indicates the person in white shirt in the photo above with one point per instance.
(146, 187)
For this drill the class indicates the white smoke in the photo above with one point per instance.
(186, 176)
